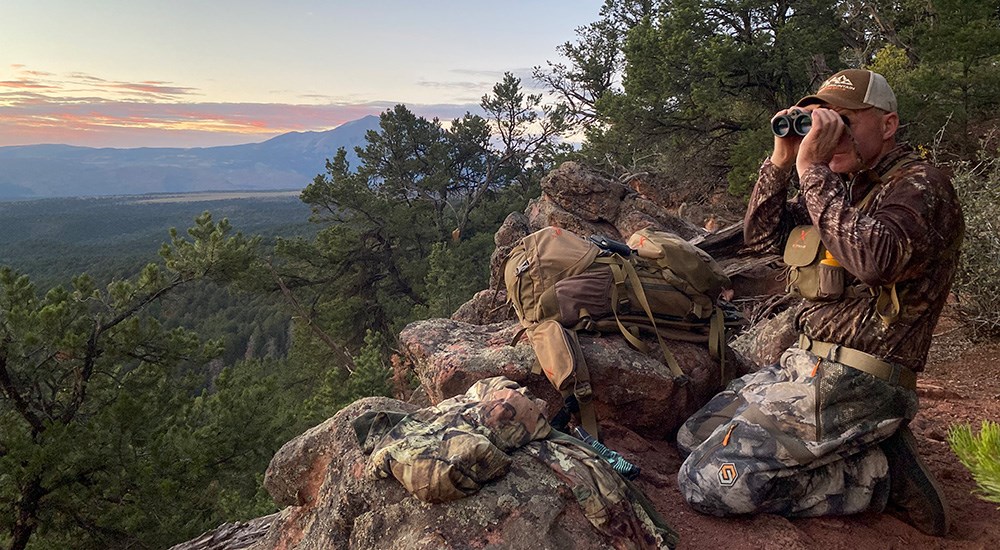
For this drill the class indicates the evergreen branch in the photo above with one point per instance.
(348, 360)
(93, 351)
(20, 403)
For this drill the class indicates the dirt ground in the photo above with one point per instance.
(960, 385)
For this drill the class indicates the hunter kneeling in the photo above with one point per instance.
(872, 241)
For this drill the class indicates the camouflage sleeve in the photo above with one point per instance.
(770, 215)
(876, 247)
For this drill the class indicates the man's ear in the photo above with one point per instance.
(890, 123)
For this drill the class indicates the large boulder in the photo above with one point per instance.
(332, 504)
(633, 389)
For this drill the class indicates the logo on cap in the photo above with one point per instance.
(839, 81)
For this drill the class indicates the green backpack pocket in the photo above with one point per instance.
(803, 251)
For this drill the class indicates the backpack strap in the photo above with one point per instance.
(887, 304)
(717, 343)
(622, 269)
(582, 389)
(887, 300)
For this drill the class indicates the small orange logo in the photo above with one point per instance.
(728, 474)
(801, 242)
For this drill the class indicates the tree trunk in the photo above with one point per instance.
(27, 514)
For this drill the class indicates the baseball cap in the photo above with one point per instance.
(854, 89)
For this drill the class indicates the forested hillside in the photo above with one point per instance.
(141, 403)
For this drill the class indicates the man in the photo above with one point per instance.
(824, 430)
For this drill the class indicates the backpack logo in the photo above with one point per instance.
(801, 242)
(728, 474)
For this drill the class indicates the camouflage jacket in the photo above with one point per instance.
(910, 234)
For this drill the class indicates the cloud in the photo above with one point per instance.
(83, 109)
(153, 87)
(24, 83)
(75, 86)
(486, 79)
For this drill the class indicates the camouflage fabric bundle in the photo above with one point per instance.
(613, 506)
(449, 451)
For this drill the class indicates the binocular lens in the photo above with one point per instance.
(781, 126)
(802, 124)
(797, 122)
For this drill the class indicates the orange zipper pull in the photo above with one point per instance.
(725, 440)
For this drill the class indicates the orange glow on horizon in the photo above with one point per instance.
(87, 110)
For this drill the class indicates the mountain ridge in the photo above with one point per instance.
(287, 161)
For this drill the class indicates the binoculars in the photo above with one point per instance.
(794, 122)
(797, 122)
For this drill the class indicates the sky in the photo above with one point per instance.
(197, 73)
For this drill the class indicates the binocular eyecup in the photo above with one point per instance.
(795, 122)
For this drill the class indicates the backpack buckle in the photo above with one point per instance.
(522, 267)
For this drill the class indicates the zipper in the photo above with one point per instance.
(817, 374)
(717, 446)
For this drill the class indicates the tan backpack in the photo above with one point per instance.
(560, 283)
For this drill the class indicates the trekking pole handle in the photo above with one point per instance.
(617, 461)
(611, 245)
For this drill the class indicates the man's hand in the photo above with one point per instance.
(785, 148)
(821, 142)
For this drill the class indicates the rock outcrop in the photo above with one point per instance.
(330, 503)
(632, 389)
(319, 476)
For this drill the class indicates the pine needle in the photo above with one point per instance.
(981, 455)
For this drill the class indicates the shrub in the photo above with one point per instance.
(981, 455)
(978, 277)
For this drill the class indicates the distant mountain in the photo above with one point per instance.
(288, 161)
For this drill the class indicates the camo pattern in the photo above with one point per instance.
(601, 492)
(796, 439)
(909, 234)
(448, 451)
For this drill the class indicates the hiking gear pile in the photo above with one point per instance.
(657, 283)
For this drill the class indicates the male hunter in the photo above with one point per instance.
(873, 239)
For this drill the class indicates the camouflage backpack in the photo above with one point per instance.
(560, 283)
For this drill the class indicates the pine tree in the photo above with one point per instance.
(89, 381)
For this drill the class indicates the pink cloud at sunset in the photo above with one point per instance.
(81, 109)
